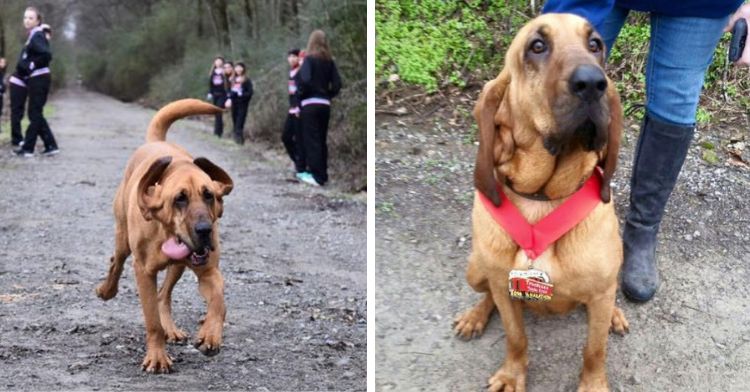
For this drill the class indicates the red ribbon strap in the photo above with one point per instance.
(535, 239)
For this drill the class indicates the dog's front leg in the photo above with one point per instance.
(156, 359)
(600, 316)
(211, 286)
(512, 375)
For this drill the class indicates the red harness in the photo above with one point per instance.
(534, 239)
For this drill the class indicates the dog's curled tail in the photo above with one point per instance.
(157, 129)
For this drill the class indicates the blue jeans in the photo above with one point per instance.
(680, 51)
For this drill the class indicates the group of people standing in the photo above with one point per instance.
(230, 87)
(31, 81)
(313, 81)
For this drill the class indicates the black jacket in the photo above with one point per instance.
(318, 79)
(36, 54)
(217, 84)
(242, 93)
(2, 82)
(292, 89)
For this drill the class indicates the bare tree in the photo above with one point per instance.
(218, 11)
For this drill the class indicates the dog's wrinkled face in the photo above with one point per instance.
(559, 76)
(187, 200)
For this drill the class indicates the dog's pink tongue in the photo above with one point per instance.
(175, 250)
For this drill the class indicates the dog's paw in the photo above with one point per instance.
(594, 384)
(105, 291)
(157, 361)
(620, 324)
(175, 335)
(470, 324)
(510, 378)
(208, 340)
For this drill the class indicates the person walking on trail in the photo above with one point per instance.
(3, 65)
(684, 37)
(18, 93)
(291, 136)
(241, 92)
(218, 84)
(34, 65)
(319, 82)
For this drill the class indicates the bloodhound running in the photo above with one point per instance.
(166, 214)
(545, 123)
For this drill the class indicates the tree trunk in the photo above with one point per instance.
(218, 11)
(2, 39)
(199, 14)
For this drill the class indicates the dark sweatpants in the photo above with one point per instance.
(38, 90)
(292, 139)
(219, 100)
(18, 96)
(239, 114)
(314, 134)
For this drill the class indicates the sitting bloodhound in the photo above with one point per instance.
(549, 124)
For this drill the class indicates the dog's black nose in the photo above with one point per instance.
(203, 228)
(588, 82)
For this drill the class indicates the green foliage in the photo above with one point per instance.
(433, 43)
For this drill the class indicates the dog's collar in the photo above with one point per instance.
(535, 239)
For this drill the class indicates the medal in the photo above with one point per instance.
(530, 285)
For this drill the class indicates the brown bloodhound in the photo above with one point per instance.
(548, 119)
(166, 214)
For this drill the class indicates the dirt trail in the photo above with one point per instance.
(293, 259)
(695, 334)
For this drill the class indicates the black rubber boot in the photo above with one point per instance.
(661, 151)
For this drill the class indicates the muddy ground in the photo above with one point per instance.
(293, 259)
(694, 335)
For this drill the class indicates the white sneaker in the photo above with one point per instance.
(308, 179)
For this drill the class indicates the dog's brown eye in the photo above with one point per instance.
(538, 46)
(208, 196)
(595, 45)
(181, 199)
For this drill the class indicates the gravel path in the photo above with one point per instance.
(293, 259)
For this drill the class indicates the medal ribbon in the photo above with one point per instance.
(535, 239)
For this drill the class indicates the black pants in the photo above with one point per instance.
(239, 114)
(314, 120)
(18, 96)
(1, 109)
(219, 100)
(292, 139)
(38, 90)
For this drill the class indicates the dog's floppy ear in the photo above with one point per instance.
(223, 182)
(614, 132)
(149, 191)
(484, 112)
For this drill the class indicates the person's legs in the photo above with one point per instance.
(299, 145)
(18, 96)
(680, 51)
(315, 130)
(288, 139)
(239, 125)
(310, 137)
(38, 91)
(219, 100)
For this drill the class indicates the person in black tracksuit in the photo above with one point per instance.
(240, 93)
(292, 135)
(218, 84)
(34, 65)
(319, 83)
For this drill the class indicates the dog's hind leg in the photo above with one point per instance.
(108, 288)
(472, 322)
(173, 334)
